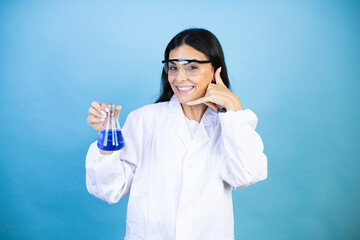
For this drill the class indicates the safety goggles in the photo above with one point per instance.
(191, 67)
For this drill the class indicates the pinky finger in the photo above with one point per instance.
(212, 105)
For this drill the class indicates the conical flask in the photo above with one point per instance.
(110, 138)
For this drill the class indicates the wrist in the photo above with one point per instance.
(234, 104)
(105, 152)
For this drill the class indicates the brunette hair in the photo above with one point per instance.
(203, 41)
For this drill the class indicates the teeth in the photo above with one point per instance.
(184, 88)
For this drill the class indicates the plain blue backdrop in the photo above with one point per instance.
(296, 64)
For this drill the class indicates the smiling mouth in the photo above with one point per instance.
(184, 90)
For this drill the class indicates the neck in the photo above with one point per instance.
(194, 112)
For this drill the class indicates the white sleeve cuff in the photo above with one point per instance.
(238, 118)
(94, 155)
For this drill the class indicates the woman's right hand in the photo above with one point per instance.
(97, 114)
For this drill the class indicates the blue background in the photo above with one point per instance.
(294, 63)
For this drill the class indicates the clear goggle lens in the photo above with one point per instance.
(190, 68)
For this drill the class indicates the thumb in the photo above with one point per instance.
(218, 78)
(117, 110)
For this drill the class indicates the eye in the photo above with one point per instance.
(192, 67)
(173, 68)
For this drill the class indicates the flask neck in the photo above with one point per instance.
(111, 120)
(113, 113)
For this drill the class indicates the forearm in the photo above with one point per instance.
(233, 103)
(245, 161)
(107, 177)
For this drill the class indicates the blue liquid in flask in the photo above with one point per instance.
(111, 143)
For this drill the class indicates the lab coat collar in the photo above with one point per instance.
(204, 129)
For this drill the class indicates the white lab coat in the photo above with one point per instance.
(180, 187)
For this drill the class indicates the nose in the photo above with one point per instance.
(181, 75)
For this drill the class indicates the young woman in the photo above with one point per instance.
(184, 154)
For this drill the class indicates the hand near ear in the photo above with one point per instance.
(218, 95)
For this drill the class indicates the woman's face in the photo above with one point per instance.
(189, 88)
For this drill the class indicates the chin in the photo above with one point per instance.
(183, 99)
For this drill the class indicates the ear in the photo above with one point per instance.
(213, 80)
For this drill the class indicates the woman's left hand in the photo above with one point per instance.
(218, 95)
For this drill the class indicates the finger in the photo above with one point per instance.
(218, 78)
(96, 113)
(96, 106)
(117, 110)
(104, 107)
(212, 105)
(198, 101)
(92, 120)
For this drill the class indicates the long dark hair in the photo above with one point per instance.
(203, 41)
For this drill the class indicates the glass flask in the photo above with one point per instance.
(110, 137)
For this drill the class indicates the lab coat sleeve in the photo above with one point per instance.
(109, 177)
(245, 162)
